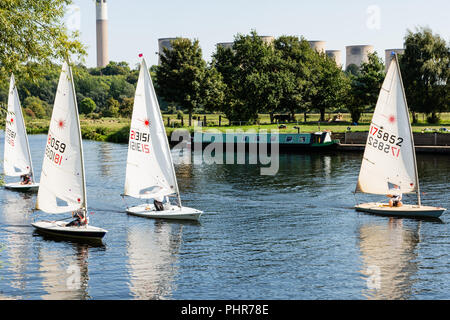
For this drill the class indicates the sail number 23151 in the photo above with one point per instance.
(54, 150)
(137, 141)
(384, 141)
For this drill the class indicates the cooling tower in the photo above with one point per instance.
(357, 54)
(267, 39)
(317, 45)
(102, 32)
(164, 43)
(335, 55)
(226, 45)
(387, 55)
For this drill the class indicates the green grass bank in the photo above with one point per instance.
(117, 129)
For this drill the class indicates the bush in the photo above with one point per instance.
(112, 109)
(37, 106)
(433, 118)
(180, 114)
(87, 105)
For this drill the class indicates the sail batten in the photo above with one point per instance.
(17, 158)
(62, 186)
(149, 171)
(389, 152)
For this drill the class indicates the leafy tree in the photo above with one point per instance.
(213, 90)
(365, 86)
(251, 77)
(112, 108)
(34, 31)
(39, 108)
(331, 84)
(87, 106)
(296, 75)
(126, 107)
(181, 74)
(425, 67)
(119, 88)
(115, 68)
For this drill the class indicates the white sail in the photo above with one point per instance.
(389, 158)
(62, 186)
(17, 159)
(150, 172)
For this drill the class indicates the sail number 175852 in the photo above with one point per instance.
(384, 141)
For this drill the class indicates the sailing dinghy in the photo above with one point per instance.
(63, 184)
(17, 157)
(389, 161)
(150, 172)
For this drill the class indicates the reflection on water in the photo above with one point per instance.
(390, 249)
(16, 217)
(104, 159)
(294, 235)
(67, 279)
(153, 250)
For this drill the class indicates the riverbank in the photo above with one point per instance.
(117, 129)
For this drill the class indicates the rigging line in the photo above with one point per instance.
(123, 199)
(369, 161)
(356, 200)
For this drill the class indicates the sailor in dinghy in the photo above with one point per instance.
(17, 157)
(150, 173)
(389, 161)
(63, 182)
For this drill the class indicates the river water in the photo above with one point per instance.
(293, 235)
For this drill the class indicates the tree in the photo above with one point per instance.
(181, 74)
(331, 85)
(365, 86)
(297, 60)
(119, 88)
(213, 90)
(37, 106)
(425, 67)
(251, 77)
(87, 106)
(34, 31)
(112, 108)
(126, 107)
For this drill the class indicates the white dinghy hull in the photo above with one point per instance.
(406, 210)
(58, 228)
(174, 212)
(22, 187)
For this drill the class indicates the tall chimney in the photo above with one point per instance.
(102, 33)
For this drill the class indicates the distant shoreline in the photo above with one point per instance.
(117, 129)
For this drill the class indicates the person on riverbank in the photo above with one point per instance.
(395, 197)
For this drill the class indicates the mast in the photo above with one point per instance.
(84, 204)
(410, 130)
(25, 130)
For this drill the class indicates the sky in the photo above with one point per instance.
(134, 26)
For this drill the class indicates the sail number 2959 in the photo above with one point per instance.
(384, 141)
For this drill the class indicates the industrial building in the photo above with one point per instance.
(164, 43)
(101, 11)
(357, 54)
(335, 55)
(317, 45)
(387, 56)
